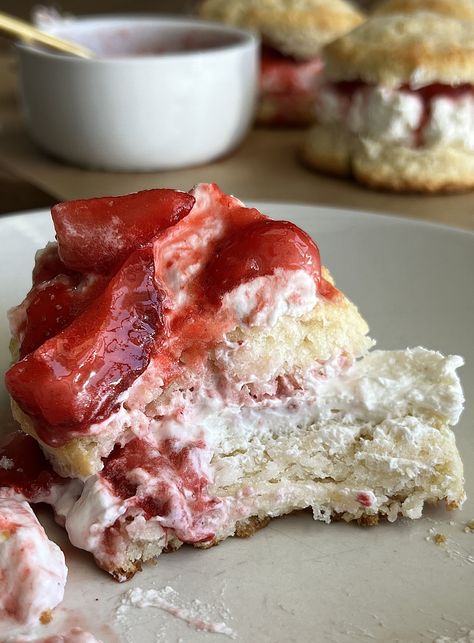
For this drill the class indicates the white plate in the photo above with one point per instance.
(298, 580)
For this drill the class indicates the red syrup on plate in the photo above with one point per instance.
(24, 468)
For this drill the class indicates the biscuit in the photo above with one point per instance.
(396, 49)
(298, 28)
(404, 169)
(327, 148)
(388, 166)
(459, 9)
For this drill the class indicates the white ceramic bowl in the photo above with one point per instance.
(164, 92)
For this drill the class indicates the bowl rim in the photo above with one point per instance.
(248, 39)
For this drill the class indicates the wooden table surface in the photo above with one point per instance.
(265, 167)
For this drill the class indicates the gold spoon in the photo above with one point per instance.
(29, 34)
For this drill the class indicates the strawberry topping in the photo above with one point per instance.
(257, 250)
(280, 74)
(53, 307)
(75, 378)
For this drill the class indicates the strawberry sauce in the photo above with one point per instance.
(74, 379)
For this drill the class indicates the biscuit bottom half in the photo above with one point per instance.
(384, 165)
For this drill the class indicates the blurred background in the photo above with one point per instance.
(23, 8)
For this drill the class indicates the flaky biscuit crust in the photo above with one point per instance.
(459, 9)
(392, 50)
(388, 166)
(404, 169)
(298, 28)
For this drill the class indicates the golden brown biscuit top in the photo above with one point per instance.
(417, 49)
(295, 27)
(459, 9)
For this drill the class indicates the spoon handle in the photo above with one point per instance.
(29, 34)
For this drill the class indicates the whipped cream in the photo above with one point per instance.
(6, 463)
(396, 116)
(385, 114)
(32, 568)
(264, 300)
(451, 122)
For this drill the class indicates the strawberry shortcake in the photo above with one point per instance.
(397, 110)
(187, 370)
(293, 33)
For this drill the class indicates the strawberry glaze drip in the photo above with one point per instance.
(30, 474)
(104, 336)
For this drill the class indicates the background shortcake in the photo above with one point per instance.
(397, 111)
(293, 33)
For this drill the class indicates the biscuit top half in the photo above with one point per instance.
(419, 49)
(298, 28)
(459, 9)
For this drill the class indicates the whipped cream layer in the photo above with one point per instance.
(374, 440)
(401, 116)
(32, 568)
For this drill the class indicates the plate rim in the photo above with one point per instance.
(377, 216)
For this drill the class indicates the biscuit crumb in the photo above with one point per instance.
(46, 617)
(439, 539)
(469, 528)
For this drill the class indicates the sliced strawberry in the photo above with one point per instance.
(74, 378)
(54, 306)
(96, 235)
(257, 250)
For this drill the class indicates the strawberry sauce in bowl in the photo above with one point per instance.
(161, 93)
